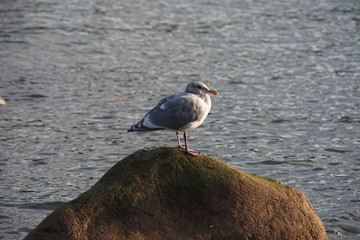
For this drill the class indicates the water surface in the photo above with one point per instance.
(76, 74)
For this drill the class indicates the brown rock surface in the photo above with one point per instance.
(164, 193)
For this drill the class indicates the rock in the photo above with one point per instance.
(164, 193)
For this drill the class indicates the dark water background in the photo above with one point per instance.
(77, 74)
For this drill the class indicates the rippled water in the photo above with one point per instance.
(77, 74)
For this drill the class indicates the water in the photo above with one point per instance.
(77, 74)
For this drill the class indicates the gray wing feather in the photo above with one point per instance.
(168, 98)
(176, 111)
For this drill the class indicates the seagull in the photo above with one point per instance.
(181, 112)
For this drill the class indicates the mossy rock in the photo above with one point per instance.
(164, 193)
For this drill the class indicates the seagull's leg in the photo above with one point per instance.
(191, 152)
(178, 140)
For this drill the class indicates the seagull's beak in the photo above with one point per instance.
(213, 92)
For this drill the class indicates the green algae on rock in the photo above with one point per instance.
(164, 193)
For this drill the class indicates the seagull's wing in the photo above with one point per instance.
(175, 112)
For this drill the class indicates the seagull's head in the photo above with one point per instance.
(199, 88)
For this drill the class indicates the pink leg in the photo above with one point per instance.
(191, 152)
(178, 140)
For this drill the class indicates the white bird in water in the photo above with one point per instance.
(180, 113)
